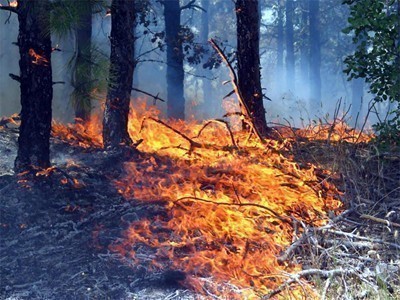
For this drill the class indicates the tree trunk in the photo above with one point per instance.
(208, 102)
(36, 85)
(115, 122)
(175, 73)
(304, 53)
(357, 91)
(279, 43)
(289, 9)
(315, 55)
(248, 61)
(82, 77)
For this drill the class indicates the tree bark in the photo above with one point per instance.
(175, 72)
(315, 54)
(290, 77)
(248, 61)
(36, 85)
(115, 122)
(82, 77)
(279, 43)
(304, 49)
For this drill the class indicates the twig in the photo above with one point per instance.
(222, 122)
(316, 272)
(155, 97)
(191, 198)
(351, 235)
(379, 220)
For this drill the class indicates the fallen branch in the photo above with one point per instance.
(278, 216)
(222, 122)
(310, 272)
(238, 93)
(379, 220)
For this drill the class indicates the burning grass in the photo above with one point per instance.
(233, 204)
(244, 220)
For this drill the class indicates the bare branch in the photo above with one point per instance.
(155, 97)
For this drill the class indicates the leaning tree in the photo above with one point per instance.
(36, 84)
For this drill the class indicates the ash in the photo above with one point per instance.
(55, 233)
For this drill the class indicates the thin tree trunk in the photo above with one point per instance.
(115, 122)
(357, 91)
(175, 72)
(248, 59)
(290, 85)
(83, 65)
(304, 50)
(279, 43)
(208, 102)
(36, 85)
(315, 55)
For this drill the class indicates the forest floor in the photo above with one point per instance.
(56, 228)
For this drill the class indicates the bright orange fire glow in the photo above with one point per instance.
(38, 59)
(231, 203)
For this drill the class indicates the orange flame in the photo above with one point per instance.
(230, 202)
(38, 59)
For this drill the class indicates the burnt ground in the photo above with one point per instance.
(55, 234)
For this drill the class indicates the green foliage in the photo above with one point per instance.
(375, 25)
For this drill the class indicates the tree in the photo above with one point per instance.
(35, 83)
(82, 71)
(279, 41)
(376, 33)
(115, 122)
(248, 61)
(304, 49)
(175, 56)
(289, 10)
(315, 54)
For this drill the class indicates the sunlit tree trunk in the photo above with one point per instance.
(248, 60)
(82, 77)
(115, 122)
(289, 10)
(315, 55)
(36, 84)
(175, 72)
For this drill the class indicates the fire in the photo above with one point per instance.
(231, 202)
(38, 59)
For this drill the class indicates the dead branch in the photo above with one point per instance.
(362, 238)
(310, 272)
(155, 97)
(278, 216)
(193, 144)
(222, 122)
(379, 220)
(9, 8)
(237, 90)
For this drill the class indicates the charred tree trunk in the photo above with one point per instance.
(315, 54)
(82, 77)
(175, 73)
(289, 10)
(248, 59)
(279, 43)
(115, 122)
(36, 85)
